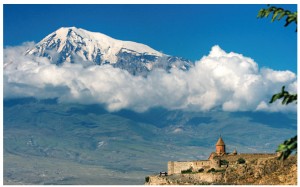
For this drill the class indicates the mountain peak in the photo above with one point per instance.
(63, 31)
(71, 44)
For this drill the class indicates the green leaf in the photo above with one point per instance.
(291, 17)
(287, 12)
(292, 146)
(267, 14)
(284, 101)
(281, 15)
(287, 21)
(261, 13)
(274, 15)
(286, 154)
(291, 99)
(275, 97)
(287, 147)
(281, 148)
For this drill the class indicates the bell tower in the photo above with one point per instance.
(220, 147)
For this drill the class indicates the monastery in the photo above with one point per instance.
(215, 160)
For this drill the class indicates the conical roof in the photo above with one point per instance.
(220, 141)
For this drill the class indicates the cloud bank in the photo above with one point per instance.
(220, 80)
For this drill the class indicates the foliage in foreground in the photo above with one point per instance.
(290, 145)
(287, 148)
(279, 13)
(287, 97)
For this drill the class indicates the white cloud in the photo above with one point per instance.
(223, 80)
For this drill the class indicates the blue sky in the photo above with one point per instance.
(188, 31)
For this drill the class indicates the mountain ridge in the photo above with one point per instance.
(71, 44)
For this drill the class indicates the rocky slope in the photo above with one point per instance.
(266, 171)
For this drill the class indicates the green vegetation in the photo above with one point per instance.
(279, 13)
(290, 145)
(241, 161)
(287, 97)
(190, 171)
(220, 170)
(224, 162)
(147, 179)
(287, 147)
(213, 170)
(187, 171)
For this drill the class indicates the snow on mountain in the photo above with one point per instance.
(71, 44)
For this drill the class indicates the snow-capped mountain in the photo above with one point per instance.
(71, 44)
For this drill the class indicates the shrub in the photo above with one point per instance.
(211, 170)
(224, 162)
(147, 179)
(187, 171)
(241, 161)
(200, 170)
(221, 170)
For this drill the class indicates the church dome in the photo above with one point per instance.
(220, 141)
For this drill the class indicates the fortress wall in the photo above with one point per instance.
(180, 179)
(247, 156)
(178, 166)
(170, 167)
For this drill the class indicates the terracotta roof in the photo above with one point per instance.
(220, 141)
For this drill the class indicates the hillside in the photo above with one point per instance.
(261, 171)
(46, 142)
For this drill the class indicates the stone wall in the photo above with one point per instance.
(247, 156)
(181, 179)
(177, 166)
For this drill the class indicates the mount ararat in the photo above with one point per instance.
(71, 45)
